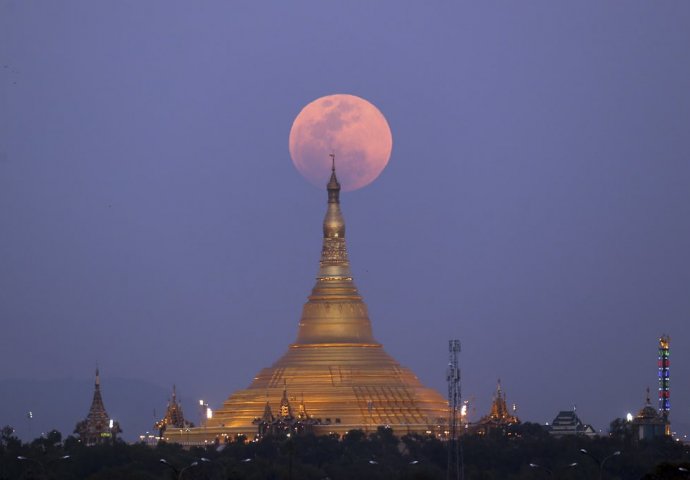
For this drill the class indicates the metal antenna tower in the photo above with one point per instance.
(454, 471)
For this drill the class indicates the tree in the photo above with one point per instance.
(8, 440)
(621, 430)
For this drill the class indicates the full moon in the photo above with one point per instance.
(351, 128)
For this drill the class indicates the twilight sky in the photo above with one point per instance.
(536, 205)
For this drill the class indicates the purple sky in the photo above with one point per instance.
(536, 205)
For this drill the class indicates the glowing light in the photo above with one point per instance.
(629, 417)
(209, 413)
(349, 126)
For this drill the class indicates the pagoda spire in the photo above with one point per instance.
(97, 426)
(97, 409)
(334, 262)
(174, 416)
(285, 407)
(335, 312)
(268, 413)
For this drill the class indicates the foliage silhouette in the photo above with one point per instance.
(379, 455)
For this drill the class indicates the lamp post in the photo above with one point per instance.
(206, 415)
(22, 458)
(179, 473)
(548, 470)
(204, 409)
(600, 462)
(29, 418)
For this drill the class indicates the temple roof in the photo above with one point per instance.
(174, 416)
(97, 412)
(97, 425)
(648, 413)
(499, 410)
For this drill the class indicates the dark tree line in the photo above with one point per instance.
(527, 453)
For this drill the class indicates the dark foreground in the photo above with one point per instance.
(356, 456)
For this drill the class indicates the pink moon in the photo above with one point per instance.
(351, 128)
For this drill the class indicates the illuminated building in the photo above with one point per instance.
(568, 423)
(97, 427)
(173, 418)
(664, 380)
(499, 418)
(344, 374)
(649, 423)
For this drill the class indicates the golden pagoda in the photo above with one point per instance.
(343, 374)
(499, 418)
(174, 417)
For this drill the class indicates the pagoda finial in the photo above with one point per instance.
(333, 184)
(334, 223)
(98, 378)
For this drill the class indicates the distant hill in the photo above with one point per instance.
(61, 403)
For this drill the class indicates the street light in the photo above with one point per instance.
(600, 462)
(22, 458)
(204, 408)
(180, 473)
(548, 470)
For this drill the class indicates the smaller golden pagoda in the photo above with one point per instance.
(174, 417)
(285, 422)
(499, 418)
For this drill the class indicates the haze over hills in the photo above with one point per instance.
(61, 403)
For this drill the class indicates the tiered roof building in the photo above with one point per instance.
(174, 417)
(97, 427)
(568, 423)
(499, 418)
